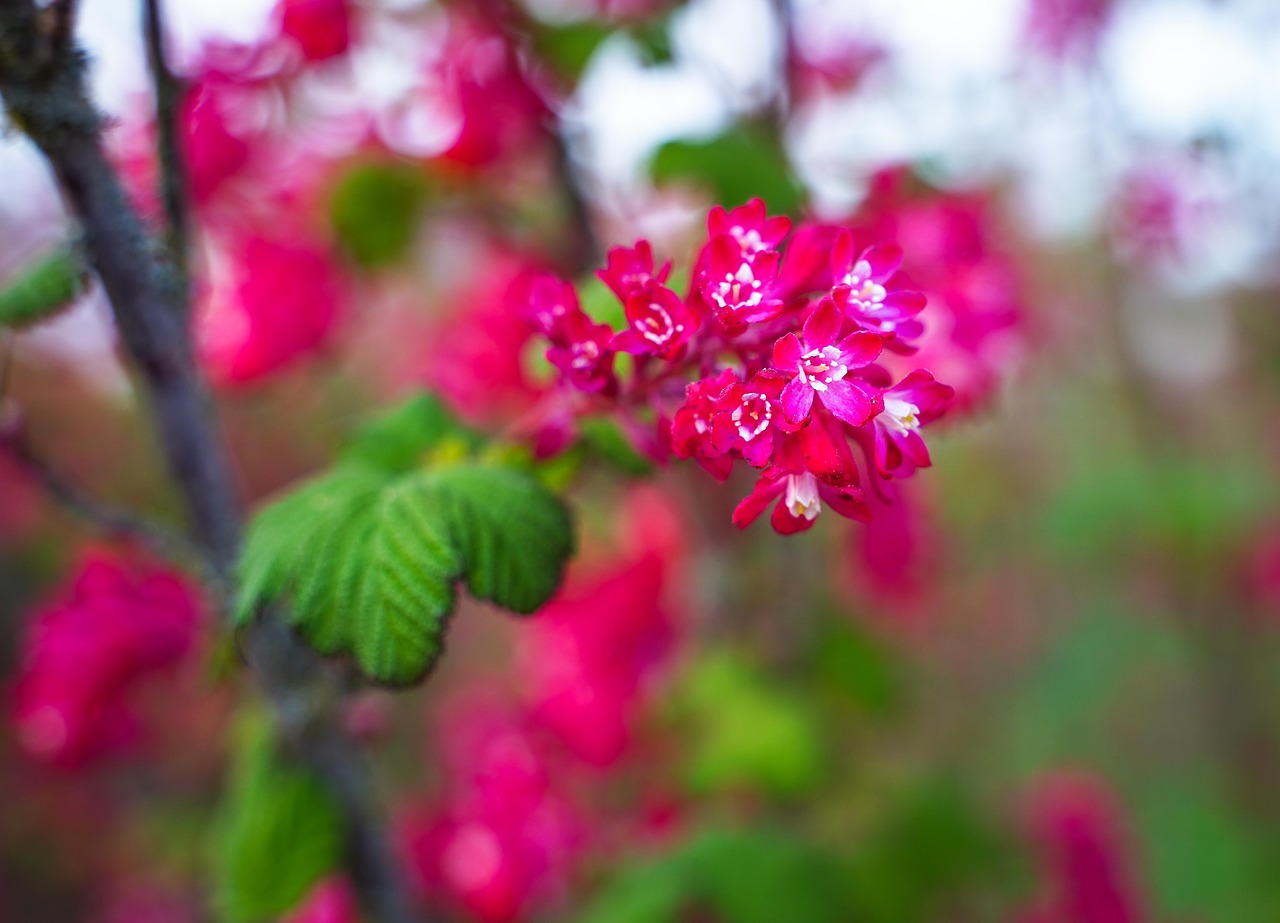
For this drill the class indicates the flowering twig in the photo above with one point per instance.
(43, 86)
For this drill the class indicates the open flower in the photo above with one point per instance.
(873, 294)
(749, 420)
(820, 364)
(799, 497)
(750, 226)
(629, 269)
(659, 323)
(739, 290)
(908, 405)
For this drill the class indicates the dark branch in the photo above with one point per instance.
(168, 93)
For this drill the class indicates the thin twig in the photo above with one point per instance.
(168, 94)
(113, 520)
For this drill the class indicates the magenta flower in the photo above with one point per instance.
(821, 364)
(546, 301)
(872, 293)
(749, 226)
(119, 623)
(277, 303)
(320, 28)
(660, 324)
(799, 497)
(691, 429)
(584, 355)
(629, 269)
(908, 405)
(750, 419)
(739, 290)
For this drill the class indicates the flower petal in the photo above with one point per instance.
(797, 401)
(823, 326)
(847, 401)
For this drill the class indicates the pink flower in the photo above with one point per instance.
(750, 418)
(749, 226)
(118, 623)
(505, 839)
(660, 324)
(215, 147)
(872, 293)
(799, 497)
(499, 113)
(740, 287)
(584, 354)
(629, 270)
(1059, 28)
(275, 303)
(908, 405)
(820, 364)
(546, 301)
(1076, 822)
(474, 358)
(588, 654)
(320, 28)
(692, 428)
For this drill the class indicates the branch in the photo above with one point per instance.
(44, 90)
(168, 93)
(106, 517)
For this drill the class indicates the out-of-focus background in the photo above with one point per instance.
(1044, 688)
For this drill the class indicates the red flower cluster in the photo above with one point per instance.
(119, 623)
(770, 358)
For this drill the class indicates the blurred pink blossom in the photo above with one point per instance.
(119, 621)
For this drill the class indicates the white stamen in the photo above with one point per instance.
(802, 496)
(899, 416)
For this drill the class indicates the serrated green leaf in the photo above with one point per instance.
(278, 833)
(367, 557)
(284, 537)
(515, 536)
(406, 589)
(401, 439)
(43, 288)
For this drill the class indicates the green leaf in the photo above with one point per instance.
(368, 561)
(743, 162)
(43, 288)
(405, 588)
(277, 834)
(570, 46)
(743, 876)
(417, 428)
(286, 537)
(514, 535)
(375, 208)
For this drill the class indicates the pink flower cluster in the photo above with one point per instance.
(772, 358)
(84, 656)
